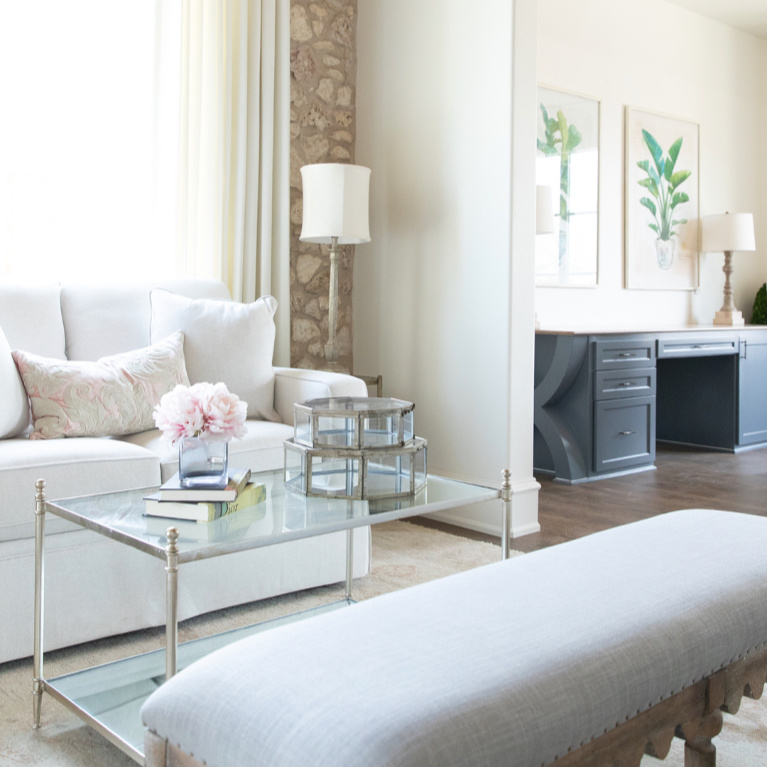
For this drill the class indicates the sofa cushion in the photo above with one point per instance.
(113, 396)
(14, 405)
(224, 341)
(108, 319)
(261, 449)
(69, 467)
(30, 316)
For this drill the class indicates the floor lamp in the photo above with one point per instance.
(335, 213)
(725, 233)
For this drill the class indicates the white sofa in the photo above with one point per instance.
(95, 587)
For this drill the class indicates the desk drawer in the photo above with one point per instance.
(624, 433)
(705, 346)
(622, 354)
(612, 384)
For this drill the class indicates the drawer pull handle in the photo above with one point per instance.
(625, 433)
(627, 354)
(627, 383)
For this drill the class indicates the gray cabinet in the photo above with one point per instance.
(602, 400)
(752, 389)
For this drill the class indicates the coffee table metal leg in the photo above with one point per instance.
(171, 602)
(37, 684)
(506, 510)
(349, 562)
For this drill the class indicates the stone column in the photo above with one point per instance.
(323, 67)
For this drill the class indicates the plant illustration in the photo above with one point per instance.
(662, 182)
(561, 139)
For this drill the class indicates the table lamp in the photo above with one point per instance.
(727, 232)
(335, 213)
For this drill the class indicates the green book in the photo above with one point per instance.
(205, 511)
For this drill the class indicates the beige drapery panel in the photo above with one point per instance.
(233, 149)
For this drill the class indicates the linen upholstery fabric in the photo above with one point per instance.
(514, 663)
(30, 316)
(224, 341)
(14, 412)
(70, 467)
(102, 319)
(293, 385)
(116, 395)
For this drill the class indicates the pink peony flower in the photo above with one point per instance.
(204, 410)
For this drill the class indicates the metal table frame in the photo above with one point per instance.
(172, 560)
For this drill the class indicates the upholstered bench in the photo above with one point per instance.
(592, 652)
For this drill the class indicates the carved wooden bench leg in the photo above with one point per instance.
(699, 751)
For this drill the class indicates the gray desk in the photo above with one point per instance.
(603, 397)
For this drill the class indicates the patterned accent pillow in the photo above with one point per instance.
(111, 397)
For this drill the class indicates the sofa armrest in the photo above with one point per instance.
(293, 385)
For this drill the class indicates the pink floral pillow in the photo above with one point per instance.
(111, 397)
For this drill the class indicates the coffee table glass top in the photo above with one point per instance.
(284, 515)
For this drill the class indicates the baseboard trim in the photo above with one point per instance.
(486, 517)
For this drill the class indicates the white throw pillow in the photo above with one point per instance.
(224, 341)
(114, 396)
(14, 405)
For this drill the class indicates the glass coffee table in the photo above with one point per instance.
(108, 697)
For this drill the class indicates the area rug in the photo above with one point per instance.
(404, 554)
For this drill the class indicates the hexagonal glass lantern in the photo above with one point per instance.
(355, 447)
(388, 472)
(353, 422)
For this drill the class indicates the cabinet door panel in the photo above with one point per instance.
(752, 405)
(624, 431)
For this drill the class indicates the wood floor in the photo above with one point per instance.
(685, 478)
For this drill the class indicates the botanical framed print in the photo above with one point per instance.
(662, 201)
(567, 164)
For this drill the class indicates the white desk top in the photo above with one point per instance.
(594, 330)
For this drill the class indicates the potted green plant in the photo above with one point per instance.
(561, 139)
(759, 312)
(662, 182)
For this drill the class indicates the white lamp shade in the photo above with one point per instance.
(336, 203)
(728, 232)
(544, 210)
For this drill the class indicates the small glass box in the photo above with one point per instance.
(353, 423)
(384, 472)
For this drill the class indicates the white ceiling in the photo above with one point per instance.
(748, 15)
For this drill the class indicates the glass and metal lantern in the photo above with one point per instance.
(353, 422)
(355, 447)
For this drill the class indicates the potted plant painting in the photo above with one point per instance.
(561, 139)
(662, 183)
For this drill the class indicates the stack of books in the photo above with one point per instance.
(204, 504)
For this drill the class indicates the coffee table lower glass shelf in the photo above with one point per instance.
(109, 697)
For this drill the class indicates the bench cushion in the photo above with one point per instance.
(514, 663)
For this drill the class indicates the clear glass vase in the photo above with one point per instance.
(203, 463)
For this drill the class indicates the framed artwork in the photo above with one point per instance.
(662, 202)
(567, 164)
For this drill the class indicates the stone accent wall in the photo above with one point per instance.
(323, 68)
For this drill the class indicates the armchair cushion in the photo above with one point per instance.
(224, 341)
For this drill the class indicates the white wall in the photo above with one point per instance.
(433, 290)
(659, 57)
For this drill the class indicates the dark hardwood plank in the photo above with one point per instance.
(686, 478)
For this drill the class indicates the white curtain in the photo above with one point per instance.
(231, 94)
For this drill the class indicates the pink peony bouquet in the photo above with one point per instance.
(204, 410)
